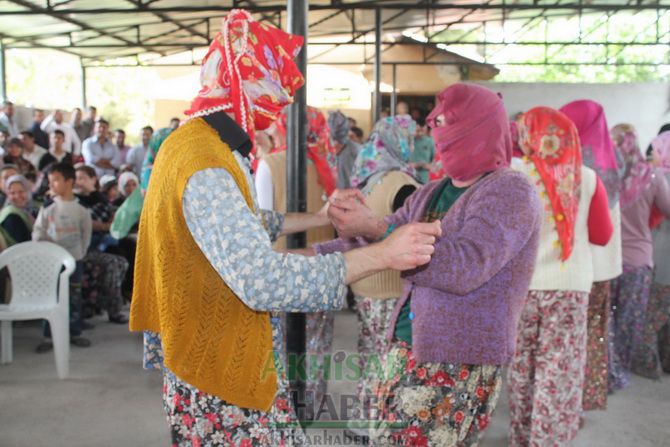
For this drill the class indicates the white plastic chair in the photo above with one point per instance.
(40, 289)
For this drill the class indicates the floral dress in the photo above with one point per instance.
(265, 281)
(432, 403)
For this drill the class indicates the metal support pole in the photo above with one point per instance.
(394, 94)
(296, 200)
(378, 65)
(3, 73)
(84, 100)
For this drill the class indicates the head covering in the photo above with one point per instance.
(597, 147)
(637, 172)
(18, 178)
(387, 149)
(319, 148)
(125, 178)
(248, 71)
(106, 179)
(664, 128)
(552, 143)
(660, 151)
(475, 137)
(514, 133)
(339, 127)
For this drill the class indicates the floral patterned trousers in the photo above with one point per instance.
(319, 329)
(630, 296)
(374, 319)
(546, 376)
(434, 404)
(198, 419)
(103, 278)
(597, 342)
(651, 357)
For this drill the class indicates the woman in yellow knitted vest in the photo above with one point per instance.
(207, 283)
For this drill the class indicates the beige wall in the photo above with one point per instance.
(166, 109)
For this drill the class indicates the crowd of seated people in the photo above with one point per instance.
(104, 172)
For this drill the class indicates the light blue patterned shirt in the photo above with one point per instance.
(238, 244)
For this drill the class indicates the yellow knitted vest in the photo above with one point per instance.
(210, 338)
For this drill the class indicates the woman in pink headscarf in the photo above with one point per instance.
(654, 355)
(644, 186)
(454, 327)
(598, 154)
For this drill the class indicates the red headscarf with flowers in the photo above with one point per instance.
(248, 71)
(552, 143)
(319, 147)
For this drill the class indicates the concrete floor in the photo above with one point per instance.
(110, 401)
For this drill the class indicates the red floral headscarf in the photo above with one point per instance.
(248, 71)
(552, 142)
(319, 147)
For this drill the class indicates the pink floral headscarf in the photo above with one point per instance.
(597, 146)
(638, 173)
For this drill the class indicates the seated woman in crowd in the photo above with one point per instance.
(103, 272)
(18, 215)
(454, 328)
(128, 182)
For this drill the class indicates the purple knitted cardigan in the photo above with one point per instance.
(468, 299)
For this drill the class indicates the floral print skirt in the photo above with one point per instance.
(597, 342)
(434, 404)
(647, 358)
(630, 296)
(374, 319)
(198, 419)
(546, 377)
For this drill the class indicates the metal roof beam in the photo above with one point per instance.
(35, 44)
(163, 16)
(189, 46)
(363, 33)
(367, 5)
(60, 15)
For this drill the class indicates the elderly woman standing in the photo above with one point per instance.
(270, 181)
(643, 188)
(546, 376)
(385, 178)
(598, 154)
(654, 356)
(346, 149)
(454, 327)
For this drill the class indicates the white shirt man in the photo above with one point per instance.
(31, 151)
(138, 153)
(99, 152)
(7, 119)
(55, 122)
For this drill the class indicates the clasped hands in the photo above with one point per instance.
(407, 247)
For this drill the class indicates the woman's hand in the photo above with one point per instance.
(411, 245)
(351, 217)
